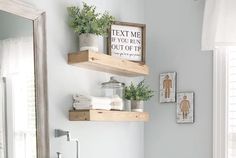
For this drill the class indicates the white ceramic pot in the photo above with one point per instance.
(127, 105)
(137, 105)
(88, 42)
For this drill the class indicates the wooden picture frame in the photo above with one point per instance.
(185, 107)
(168, 86)
(128, 43)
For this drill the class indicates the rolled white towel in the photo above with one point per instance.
(90, 107)
(81, 98)
(92, 100)
(88, 104)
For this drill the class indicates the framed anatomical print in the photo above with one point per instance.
(168, 87)
(185, 107)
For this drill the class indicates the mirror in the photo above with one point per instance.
(23, 82)
(18, 94)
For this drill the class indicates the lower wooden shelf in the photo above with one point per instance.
(104, 115)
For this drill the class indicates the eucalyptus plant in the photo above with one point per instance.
(87, 20)
(138, 92)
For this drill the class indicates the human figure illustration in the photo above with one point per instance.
(167, 85)
(185, 106)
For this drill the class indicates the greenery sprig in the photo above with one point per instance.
(138, 92)
(86, 20)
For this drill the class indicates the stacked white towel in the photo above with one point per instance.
(82, 102)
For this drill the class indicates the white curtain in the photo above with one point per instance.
(219, 35)
(17, 65)
(219, 24)
(16, 56)
(2, 129)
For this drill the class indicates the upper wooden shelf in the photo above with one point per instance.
(104, 115)
(107, 63)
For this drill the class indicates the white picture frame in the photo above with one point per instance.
(168, 87)
(185, 107)
(127, 41)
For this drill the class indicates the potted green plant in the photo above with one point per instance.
(137, 94)
(89, 24)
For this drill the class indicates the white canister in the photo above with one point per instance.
(115, 90)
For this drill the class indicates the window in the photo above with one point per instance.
(231, 108)
(17, 98)
(224, 121)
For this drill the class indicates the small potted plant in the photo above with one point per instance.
(89, 24)
(137, 94)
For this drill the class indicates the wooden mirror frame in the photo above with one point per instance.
(40, 65)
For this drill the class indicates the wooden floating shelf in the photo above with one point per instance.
(104, 115)
(106, 63)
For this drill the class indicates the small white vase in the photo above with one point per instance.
(88, 42)
(137, 105)
(127, 105)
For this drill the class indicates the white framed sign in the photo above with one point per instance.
(168, 87)
(185, 107)
(127, 41)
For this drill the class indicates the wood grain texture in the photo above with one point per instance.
(20, 8)
(103, 115)
(106, 63)
(40, 51)
(40, 63)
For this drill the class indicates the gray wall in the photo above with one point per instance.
(174, 38)
(98, 139)
(13, 26)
